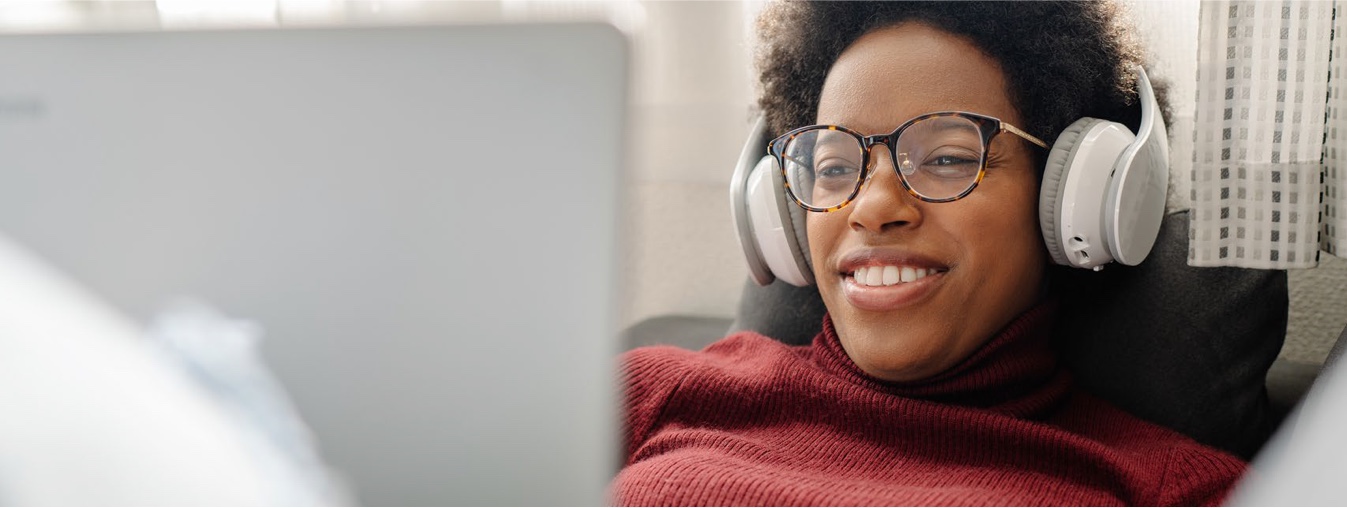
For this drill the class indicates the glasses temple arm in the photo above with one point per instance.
(792, 159)
(1030, 137)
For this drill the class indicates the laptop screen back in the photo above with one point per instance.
(422, 220)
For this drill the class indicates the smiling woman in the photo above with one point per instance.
(983, 253)
(911, 134)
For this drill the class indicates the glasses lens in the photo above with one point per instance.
(941, 156)
(823, 167)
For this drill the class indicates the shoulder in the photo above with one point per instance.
(653, 375)
(656, 365)
(654, 372)
(1185, 471)
(1109, 424)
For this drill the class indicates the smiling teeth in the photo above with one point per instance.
(889, 275)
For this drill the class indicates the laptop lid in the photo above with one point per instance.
(421, 219)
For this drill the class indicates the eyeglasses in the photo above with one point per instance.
(940, 157)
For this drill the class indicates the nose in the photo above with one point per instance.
(883, 202)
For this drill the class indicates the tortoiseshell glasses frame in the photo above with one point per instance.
(806, 138)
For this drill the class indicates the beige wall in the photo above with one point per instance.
(1318, 309)
(691, 111)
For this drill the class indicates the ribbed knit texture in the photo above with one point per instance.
(751, 421)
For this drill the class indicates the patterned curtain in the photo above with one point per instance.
(1333, 237)
(1270, 143)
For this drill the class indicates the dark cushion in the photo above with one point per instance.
(790, 314)
(1188, 348)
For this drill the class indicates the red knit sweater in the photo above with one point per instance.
(752, 421)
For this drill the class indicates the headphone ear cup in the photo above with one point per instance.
(743, 224)
(1077, 196)
(778, 225)
(771, 228)
(1052, 190)
(1103, 192)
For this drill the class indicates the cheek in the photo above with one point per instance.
(1012, 222)
(1005, 237)
(1024, 217)
(823, 233)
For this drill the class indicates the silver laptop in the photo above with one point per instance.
(422, 220)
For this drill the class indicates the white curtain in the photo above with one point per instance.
(1333, 237)
(1270, 139)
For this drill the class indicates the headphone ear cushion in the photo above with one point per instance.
(797, 222)
(799, 239)
(1052, 189)
(771, 228)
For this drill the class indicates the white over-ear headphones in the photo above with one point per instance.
(1101, 200)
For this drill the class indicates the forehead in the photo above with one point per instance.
(892, 74)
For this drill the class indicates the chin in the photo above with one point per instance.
(899, 357)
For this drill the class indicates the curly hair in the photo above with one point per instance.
(1062, 60)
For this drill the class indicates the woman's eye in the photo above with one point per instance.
(835, 177)
(951, 166)
(950, 160)
(835, 171)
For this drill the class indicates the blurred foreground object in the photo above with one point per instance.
(1304, 463)
(425, 220)
(96, 414)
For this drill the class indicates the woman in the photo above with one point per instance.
(933, 380)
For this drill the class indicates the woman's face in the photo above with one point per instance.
(983, 253)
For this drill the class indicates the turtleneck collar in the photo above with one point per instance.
(1016, 372)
